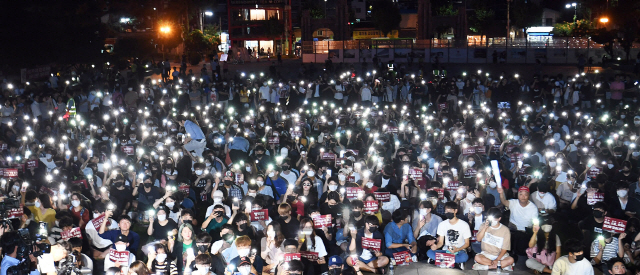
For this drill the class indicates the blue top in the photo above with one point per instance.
(133, 237)
(9, 261)
(280, 184)
(193, 130)
(239, 143)
(393, 234)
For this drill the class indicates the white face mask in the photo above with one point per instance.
(170, 204)
(341, 177)
(244, 270)
(161, 257)
(635, 154)
(610, 166)
(271, 234)
(471, 197)
(217, 200)
(423, 212)
(477, 210)
(333, 187)
(622, 193)
(162, 218)
(272, 174)
(311, 174)
(48, 156)
(37, 204)
(243, 252)
(121, 247)
(546, 228)
(248, 169)
(370, 184)
(259, 183)
(75, 203)
(553, 164)
(251, 194)
(494, 223)
(96, 215)
(199, 172)
(493, 184)
(471, 163)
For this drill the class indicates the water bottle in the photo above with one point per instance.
(391, 271)
(499, 267)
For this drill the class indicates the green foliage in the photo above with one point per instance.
(481, 19)
(386, 16)
(447, 10)
(317, 13)
(580, 28)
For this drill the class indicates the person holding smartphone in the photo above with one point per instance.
(216, 220)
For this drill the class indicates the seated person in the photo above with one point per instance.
(544, 247)
(574, 262)
(398, 235)
(606, 247)
(453, 234)
(544, 200)
(369, 259)
(425, 227)
(495, 240)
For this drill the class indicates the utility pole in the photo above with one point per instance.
(508, 21)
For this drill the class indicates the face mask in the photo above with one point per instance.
(546, 228)
(251, 194)
(37, 204)
(423, 212)
(243, 227)
(635, 154)
(259, 183)
(333, 187)
(311, 174)
(493, 184)
(121, 247)
(579, 257)
(477, 210)
(369, 184)
(622, 193)
(494, 223)
(199, 172)
(610, 166)
(96, 215)
(248, 169)
(271, 234)
(48, 156)
(147, 185)
(373, 228)
(342, 177)
(471, 197)
(272, 174)
(217, 200)
(161, 257)
(244, 270)
(356, 213)
(449, 215)
(170, 204)
(75, 203)
(162, 218)
(598, 214)
(553, 164)
(243, 252)
(447, 147)
(471, 163)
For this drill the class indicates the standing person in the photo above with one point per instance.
(574, 262)
(457, 236)
(195, 140)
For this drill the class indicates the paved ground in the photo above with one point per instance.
(424, 269)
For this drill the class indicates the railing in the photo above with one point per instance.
(323, 47)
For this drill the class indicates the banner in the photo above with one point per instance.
(259, 215)
(119, 256)
(614, 225)
(382, 196)
(322, 221)
(291, 256)
(352, 192)
(128, 150)
(274, 140)
(329, 156)
(32, 164)
(97, 222)
(447, 259)
(370, 207)
(453, 185)
(15, 213)
(11, 172)
(371, 244)
(402, 258)
(415, 173)
(309, 255)
(82, 183)
(440, 192)
(72, 233)
(594, 197)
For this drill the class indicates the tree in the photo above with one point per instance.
(579, 29)
(447, 10)
(386, 16)
(525, 14)
(480, 20)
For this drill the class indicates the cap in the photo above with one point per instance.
(122, 238)
(523, 188)
(244, 261)
(335, 260)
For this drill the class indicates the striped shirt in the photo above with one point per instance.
(163, 268)
(610, 249)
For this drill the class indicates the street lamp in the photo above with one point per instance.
(604, 20)
(573, 5)
(164, 30)
(208, 13)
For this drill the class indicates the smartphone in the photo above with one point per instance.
(329, 173)
(236, 203)
(24, 187)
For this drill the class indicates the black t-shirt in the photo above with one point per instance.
(160, 232)
(592, 228)
(290, 230)
(146, 199)
(121, 197)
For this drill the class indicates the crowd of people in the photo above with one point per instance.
(349, 172)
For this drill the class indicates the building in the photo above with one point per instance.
(261, 25)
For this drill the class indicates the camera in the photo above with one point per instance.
(26, 248)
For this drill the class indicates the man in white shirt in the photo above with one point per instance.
(574, 262)
(545, 201)
(523, 212)
(457, 236)
(264, 92)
